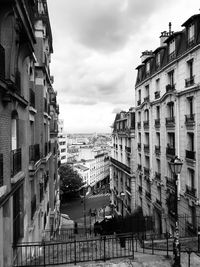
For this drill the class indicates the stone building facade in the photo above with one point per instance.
(123, 163)
(167, 95)
(29, 184)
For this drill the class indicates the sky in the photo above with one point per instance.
(97, 46)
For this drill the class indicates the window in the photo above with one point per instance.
(191, 34)
(172, 49)
(146, 115)
(190, 105)
(158, 139)
(171, 77)
(63, 150)
(158, 165)
(158, 85)
(190, 144)
(158, 60)
(139, 94)
(189, 81)
(147, 68)
(158, 112)
(170, 106)
(147, 91)
(171, 140)
(18, 215)
(191, 178)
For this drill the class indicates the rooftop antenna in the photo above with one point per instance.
(170, 27)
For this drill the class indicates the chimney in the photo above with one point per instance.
(165, 35)
(145, 55)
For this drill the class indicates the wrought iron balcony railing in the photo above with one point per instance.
(146, 124)
(146, 148)
(190, 154)
(157, 94)
(157, 122)
(139, 102)
(139, 124)
(170, 151)
(146, 99)
(189, 119)
(170, 88)
(189, 81)
(157, 150)
(170, 121)
(190, 191)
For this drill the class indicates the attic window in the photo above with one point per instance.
(191, 34)
(158, 60)
(172, 49)
(148, 68)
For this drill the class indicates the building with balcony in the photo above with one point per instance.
(123, 163)
(167, 97)
(29, 186)
(62, 142)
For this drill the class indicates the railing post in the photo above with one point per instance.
(167, 236)
(104, 248)
(132, 246)
(75, 250)
(44, 252)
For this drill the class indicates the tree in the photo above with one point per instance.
(70, 181)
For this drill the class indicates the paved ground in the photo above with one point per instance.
(75, 208)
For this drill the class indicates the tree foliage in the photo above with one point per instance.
(70, 181)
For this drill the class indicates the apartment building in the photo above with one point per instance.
(62, 141)
(167, 95)
(123, 163)
(29, 188)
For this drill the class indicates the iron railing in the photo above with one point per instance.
(139, 102)
(1, 170)
(146, 99)
(189, 119)
(170, 121)
(157, 122)
(189, 81)
(170, 87)
(157, 94)
(16, 161)
(33, 206)
(190, 191)
(190, 154)
(146, 124)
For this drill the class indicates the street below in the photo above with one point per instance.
(75, 208)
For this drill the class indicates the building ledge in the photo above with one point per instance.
(3, 190)
(20, 175)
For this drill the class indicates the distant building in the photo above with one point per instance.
(123, 163)
(62, 143)
(83, 171)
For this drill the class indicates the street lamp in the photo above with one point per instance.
(122, 195)
(176, 166)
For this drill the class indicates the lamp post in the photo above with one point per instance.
(176, 166)
(84, 208)
(122, 195)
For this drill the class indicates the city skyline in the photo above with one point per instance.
(96, 48)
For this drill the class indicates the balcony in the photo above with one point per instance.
(146, 124)
(191, 191)
(170, 88)
(139, 167)
(1, 170)
(16, 161)
(158, 176)
(158, 202)
(157, 94)
(157, 150)
(146, 171)
(148, 195)
(170, 121)
(190, 154)
(120, 165)
(189, 120)
(34, 153)
(32, 98)
(146, 99)
(170, 151)
(139, 102)
(33, 206)
(140, 189)
(127, 149)
(170, 182)
(157, 123)
(189, 82)
(139, 124)
(2, 60)
(146, 148)
(139, 146)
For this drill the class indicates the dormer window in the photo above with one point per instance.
(147, 68)
(158, 60)
(191, 34)
(172, 49)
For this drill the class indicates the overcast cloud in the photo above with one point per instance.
(97, 45)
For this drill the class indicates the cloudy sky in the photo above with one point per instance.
(97, 46)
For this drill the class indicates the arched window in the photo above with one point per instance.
(14, 130)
